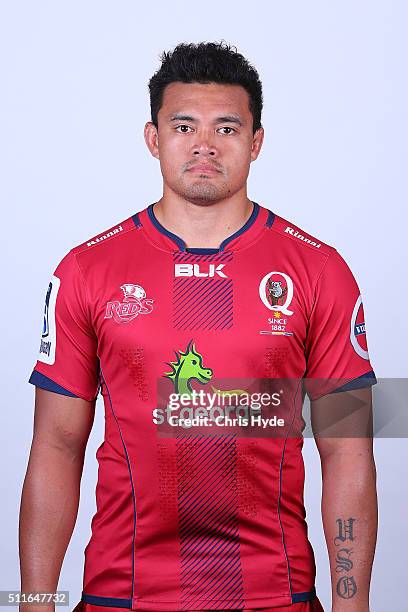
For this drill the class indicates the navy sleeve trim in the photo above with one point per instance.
(39, 380)
(365, 380)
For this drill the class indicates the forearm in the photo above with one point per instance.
(349, 512)
(49, 506)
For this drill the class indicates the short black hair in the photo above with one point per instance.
(206, 62)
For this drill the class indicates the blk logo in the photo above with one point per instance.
(208, 271)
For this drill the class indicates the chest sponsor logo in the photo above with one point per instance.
(357, 330)
(203, 271)
(133, 304)
(276, 293)
(49, 335)
(195, 402)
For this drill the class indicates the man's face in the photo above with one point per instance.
(204, 140)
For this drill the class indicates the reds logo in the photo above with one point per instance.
(134, 303)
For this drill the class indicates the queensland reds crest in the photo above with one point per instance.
(276, 292)
(357, 330)
(134, 303)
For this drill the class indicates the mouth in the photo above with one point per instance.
(203, 378)
(203, 169)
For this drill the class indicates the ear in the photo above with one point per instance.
(257, 141)
(151, 137)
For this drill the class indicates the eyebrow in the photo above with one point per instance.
(223, 119)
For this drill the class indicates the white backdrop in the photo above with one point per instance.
(73, 162)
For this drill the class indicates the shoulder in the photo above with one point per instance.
(309, 252)
(109, 238)
(297, 238)
(99, 249)
(330, 268)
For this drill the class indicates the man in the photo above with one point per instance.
(203, 289)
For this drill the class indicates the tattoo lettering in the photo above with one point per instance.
(344, 563)
(345, 530)
(346, 587)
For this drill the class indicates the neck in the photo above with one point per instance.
(203, 225)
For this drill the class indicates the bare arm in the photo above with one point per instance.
(349, 499)
(50, 495)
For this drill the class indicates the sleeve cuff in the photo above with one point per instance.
(365, 380)
(42, 381)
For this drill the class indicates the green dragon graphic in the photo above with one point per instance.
(189, 366)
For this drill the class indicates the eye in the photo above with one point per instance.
(226, 127)
(194, 361)
(183, 128)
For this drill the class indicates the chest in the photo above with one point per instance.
(247, 316)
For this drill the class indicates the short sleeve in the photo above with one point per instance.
(67, 361)
(336, 345)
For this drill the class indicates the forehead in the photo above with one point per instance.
(205, 98)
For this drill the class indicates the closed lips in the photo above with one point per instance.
(204, 168)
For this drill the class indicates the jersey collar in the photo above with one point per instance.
(260, 219)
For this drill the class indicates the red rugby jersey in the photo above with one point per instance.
(203, 520)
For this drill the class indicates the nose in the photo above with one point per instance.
(204, 145)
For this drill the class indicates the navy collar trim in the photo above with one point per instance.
(179, 241)
(270, 219)
(244, 228)
(136, 220)
(202, 251)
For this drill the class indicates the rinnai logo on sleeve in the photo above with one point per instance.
(299, 236)
(49, 332)
(134, 303)
(187, 269)
(103, 237)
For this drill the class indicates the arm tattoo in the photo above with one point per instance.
(346, 585)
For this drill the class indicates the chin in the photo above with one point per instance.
(204, 192)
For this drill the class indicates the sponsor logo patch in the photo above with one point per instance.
(358, 337)
(103, 237)
(187, 269)
(49, 331)
(299, 236)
